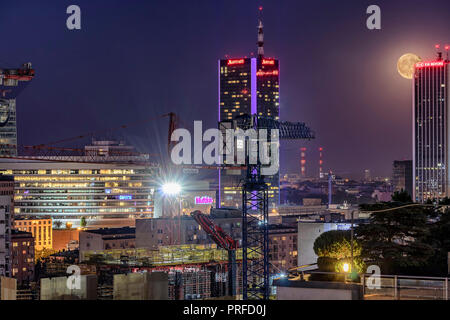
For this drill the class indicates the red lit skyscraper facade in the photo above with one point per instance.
(431, 130)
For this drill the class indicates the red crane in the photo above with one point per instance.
(223, 240)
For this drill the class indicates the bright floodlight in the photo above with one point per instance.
(171, 188)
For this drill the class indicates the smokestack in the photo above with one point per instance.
(303, 162)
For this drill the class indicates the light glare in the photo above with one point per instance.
(171, 188)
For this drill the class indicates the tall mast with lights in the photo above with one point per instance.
(260, 34)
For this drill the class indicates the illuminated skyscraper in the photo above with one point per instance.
(248, 86)
(431, 150)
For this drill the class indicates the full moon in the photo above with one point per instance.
(405, 65)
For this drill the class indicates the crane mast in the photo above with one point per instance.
(255, 208)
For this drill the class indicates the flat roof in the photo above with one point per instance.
(113, 231)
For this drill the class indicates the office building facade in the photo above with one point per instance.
(5, 236)
(402, 176)
(82, 194)
(431, 130)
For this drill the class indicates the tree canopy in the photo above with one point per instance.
(395, 239)
(336, 244)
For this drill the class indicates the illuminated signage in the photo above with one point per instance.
(268, 62)
(125, 197)
(430, 64)
(235, 61)
(267, 73)
(204, 200)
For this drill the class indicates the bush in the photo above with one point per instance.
(336, 244)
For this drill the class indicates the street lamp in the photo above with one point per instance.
(346, 267)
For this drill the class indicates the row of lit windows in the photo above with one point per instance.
(80, 210)
(86, 191)
(79, 185)
(72, 172)
(79, 178)
(32, 222)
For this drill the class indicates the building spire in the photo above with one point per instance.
(260, 34)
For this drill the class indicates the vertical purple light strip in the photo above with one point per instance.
(253, 85)
(219, 203)
(254, 105)
(279, 118)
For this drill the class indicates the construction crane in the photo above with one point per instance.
(48, 152)
(255, 213)
(223, 240)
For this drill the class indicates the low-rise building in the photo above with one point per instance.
(22, 257)
(107, 238)
(5, 235)
(282, 248)
(41, 229)
(66, 239)
(153, 233)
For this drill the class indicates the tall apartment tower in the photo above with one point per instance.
(248, 86)
(431, 149)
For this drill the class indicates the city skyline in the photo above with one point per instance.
(212, 153)
(81, 77)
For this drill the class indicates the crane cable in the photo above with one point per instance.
(124, 126)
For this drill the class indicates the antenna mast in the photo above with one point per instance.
(260, 34)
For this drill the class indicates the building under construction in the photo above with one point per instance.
(194, 271)
(12, 82)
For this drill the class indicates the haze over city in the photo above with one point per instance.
(160, 57)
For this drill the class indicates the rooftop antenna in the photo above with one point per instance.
(260, 34)
(446, 50)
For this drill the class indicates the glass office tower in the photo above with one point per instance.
(431, 130)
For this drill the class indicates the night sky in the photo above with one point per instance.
(134, 60)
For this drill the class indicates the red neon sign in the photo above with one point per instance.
(267, 73)
(235, 61)
(268, 62)
(429, 64)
